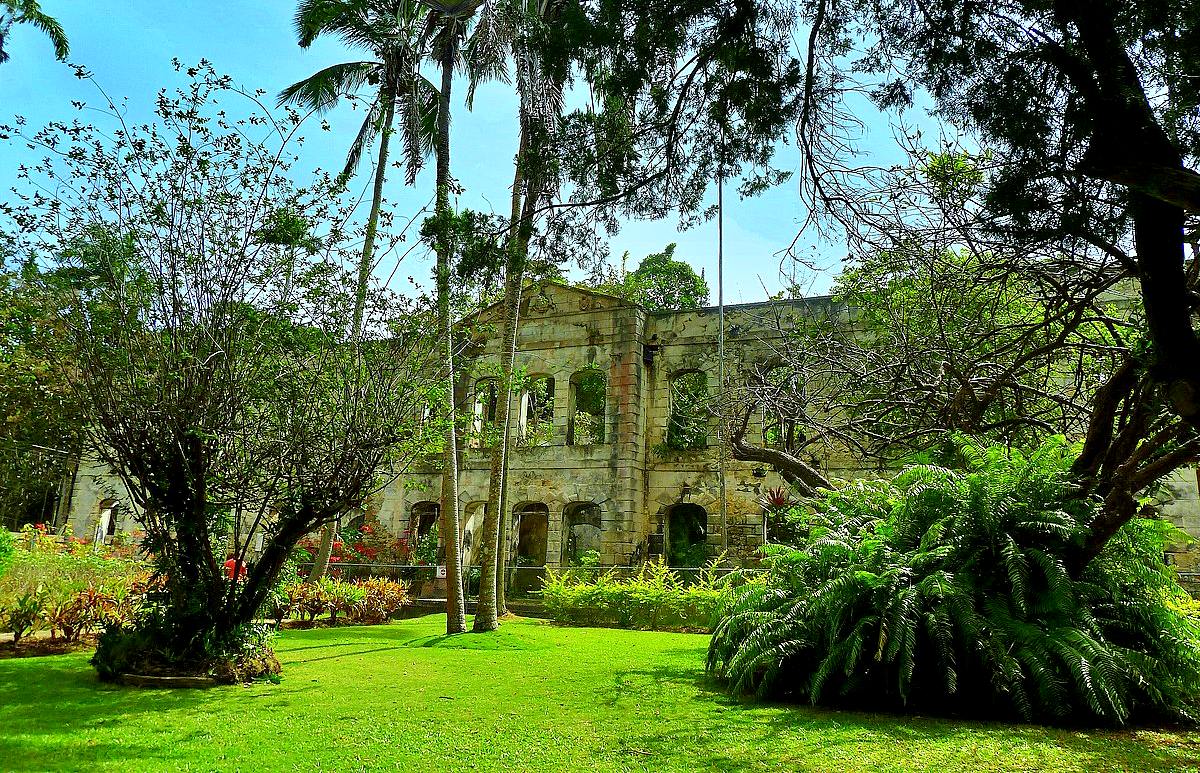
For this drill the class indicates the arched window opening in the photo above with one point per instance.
(537, 413)
(687, 535)
(424, 518)
(473, 514)
(354, 523)
(687, 422)
(533, 523)
(585, 420)
(487, 402)
(581, 533)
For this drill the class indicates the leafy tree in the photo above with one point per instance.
(29, 12)
(41, 430)
(228, 407)
(660, 283)
(954, 328)
(1092, 109)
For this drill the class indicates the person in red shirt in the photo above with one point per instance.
(234, 569)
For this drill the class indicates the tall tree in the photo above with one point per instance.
(1094, 107)
(659, 283)
(945, 327)
(447, 28)
(227, 414)
(391, 31)
(29, 12)
(520, 30)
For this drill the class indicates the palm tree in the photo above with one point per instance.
(447, 28)
(392, 32)
(28, 12)
(520, 29)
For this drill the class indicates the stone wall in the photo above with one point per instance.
(633, 478)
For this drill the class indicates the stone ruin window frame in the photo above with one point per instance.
(600, 429)
(702, 415)
(544, 433)
(568, 551)
(485, 409)
(786, 428)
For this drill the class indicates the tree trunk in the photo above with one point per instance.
(324, 551)
(494, 538)
(321, 563)
(456, 621)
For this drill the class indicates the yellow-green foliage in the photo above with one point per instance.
(656, 598)
(69, 590)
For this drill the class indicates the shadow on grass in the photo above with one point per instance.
(55, 715)
(710, 724)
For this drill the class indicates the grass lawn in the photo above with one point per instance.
(532, 697)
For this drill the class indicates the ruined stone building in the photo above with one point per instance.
(604, 461)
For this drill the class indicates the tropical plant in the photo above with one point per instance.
(950, 591)
(23, 616)
(29, 12)
(449, 26)
(657, 597)
(381, 598)
(526, 32)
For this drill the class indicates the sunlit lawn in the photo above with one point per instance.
(532, 697)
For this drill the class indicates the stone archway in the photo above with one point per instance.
(581, 532)
(686, 535)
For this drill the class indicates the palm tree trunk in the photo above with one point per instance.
(321, 563)
(494, 537)
(456, 621)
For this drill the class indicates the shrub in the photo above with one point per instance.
(23, 616)
(951, 591)
(656, 598)
(381, 598)
(307, 598)
(63, 570)
(147, 647)
(341, 598)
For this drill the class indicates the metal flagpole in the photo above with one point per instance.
(721, 345)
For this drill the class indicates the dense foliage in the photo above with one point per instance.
(67, 588)
(7, 547)
(656, 598)
(40, 424)
(953, 590)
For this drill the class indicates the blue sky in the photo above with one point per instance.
(129, 46)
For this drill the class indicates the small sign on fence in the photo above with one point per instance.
(441, 572)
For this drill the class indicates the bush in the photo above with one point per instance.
(381, 598)
(951, 591)
(148, 646)
(68, 591)
(656, 598)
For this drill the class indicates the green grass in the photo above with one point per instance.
(532, 697)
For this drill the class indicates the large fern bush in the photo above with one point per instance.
(953, 591)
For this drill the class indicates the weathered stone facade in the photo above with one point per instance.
(620, 497)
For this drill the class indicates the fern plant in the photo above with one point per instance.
(948, 590)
